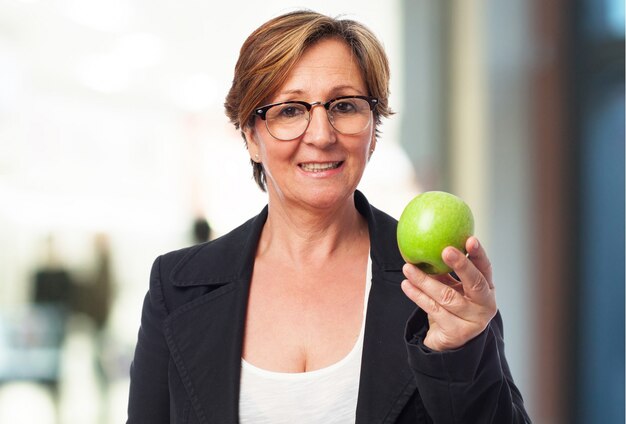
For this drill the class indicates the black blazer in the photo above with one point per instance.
(187, 361)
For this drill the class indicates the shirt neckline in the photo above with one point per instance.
(356, 349)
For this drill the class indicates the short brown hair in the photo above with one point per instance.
(270, 52)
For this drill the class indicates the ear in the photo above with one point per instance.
(252, 144)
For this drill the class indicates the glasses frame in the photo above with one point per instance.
(261, 112)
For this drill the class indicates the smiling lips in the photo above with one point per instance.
(320, 167)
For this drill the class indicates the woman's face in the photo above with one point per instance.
(322, 167)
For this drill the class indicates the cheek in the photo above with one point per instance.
(368, 144)
(258, 139)
(276, 156)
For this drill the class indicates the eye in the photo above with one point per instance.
(287, 111)
(345, 106)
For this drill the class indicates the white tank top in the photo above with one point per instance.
(328, 395)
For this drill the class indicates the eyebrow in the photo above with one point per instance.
(289, 92)
(336, 89)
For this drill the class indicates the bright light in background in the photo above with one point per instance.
(26, 403)
(102, 15)
(616, 16)
(139, 50)
(10, 83)
(111, 119)
(196, 92)
(103, 73)
(112, 71)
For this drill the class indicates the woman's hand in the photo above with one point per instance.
(457, 311)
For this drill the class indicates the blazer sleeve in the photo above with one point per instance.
(472, 384)
(149, 392)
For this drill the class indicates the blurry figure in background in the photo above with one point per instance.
(92, 299)
(52, 282)
(32, 335)
(201, 230)
(36, 338)
(43, 330)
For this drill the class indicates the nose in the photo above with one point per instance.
(319, 131)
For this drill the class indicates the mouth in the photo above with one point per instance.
(320, 166)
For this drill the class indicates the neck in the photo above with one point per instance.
(306, 235)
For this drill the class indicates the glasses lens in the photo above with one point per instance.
(350, 116)
(287, 121)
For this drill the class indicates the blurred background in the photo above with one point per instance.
(109, 107)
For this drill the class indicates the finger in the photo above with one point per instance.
(479, 257)
(434, 310)
(445, 278)
(450, 281)
(475, 285)
(442, 294)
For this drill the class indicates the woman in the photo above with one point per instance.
(307, 312)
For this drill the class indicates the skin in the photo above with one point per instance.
(457, 311)
(301, 317)
(314, 233)
(327, 70)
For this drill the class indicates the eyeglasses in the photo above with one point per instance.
(348, 115)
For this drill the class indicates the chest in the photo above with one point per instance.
(303, 321)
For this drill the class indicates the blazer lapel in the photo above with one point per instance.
(386, 381)
(206, 349)
(205, 335)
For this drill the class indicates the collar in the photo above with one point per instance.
(213, 316)
(232, 255)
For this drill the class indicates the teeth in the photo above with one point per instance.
(318, 167)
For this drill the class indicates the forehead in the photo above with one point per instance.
(327, 67)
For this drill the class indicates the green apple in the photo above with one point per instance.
(429, 223)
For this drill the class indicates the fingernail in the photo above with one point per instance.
(451, 254)
(476, 244)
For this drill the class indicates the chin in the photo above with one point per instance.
(327, 198)
(318, 195)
